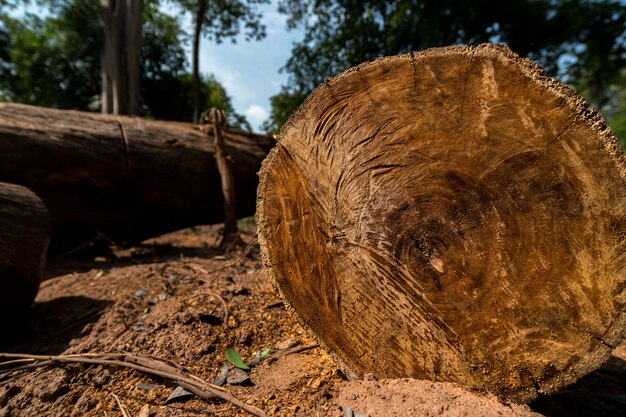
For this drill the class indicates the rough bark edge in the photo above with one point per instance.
(583, 114)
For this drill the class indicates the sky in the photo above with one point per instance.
(250, 70)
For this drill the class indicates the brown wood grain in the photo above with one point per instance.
(454, 215)
(24, 238)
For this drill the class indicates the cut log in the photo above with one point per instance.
(24, 237)
(127, 178)
(454, 215)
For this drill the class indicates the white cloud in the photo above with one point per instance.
(256, 115)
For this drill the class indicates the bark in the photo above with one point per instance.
(24, 237)
(231, 230)
(121, 55)
(127, 178)
(197, 90)
(453, 215)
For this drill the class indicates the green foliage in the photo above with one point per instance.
(616, 110)
(11, 4)
(283, 105)
(225, 19)
(235, 358)
(163, 41)
(51, 62)
(617, 122)
(582, 42)
(55, 62)
(178, 104)
(265, 353)
(219, 20)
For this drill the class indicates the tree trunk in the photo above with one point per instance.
(231, 230)
(120, 56)
(197, 88)
(454, 215)
(127, 178)
(24, 236)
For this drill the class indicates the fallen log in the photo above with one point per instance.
(453, 215)
(126, 178)
(24, 237)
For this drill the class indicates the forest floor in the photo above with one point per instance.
(179, 298)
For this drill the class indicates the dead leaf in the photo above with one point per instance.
(348, 412)
(255, 360)
(239, 377)
(179, 394)
(221, 379)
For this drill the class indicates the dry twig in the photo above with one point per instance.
(122, 407)
(300, 349)
(147, 364)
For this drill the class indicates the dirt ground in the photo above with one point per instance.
(179, 298)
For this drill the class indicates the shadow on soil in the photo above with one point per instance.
(601, 393)
(48, 327)
(103, 254)
(106, 257)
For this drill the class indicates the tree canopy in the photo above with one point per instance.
(581, 42)
(225, 19)
(54, 61)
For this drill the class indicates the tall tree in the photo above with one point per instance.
(120, 22)
(582, 42)
(199, 20)
(217, 21)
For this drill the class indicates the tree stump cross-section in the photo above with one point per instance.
(453, 215)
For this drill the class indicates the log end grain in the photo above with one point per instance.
(453, 215)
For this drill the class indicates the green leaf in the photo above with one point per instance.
(235, 358)
(265, 352)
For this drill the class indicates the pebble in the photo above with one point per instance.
(140, 293)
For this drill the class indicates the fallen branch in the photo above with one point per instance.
(299, 349)
(147, 364)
